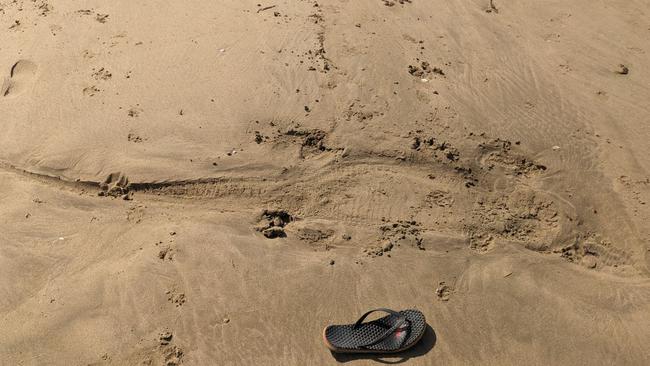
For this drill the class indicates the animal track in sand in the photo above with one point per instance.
(134, 112)
(164, 352)
(394, 2)
(317, 239)
(540, 223)
(101, 74)
(115, 184)
(444, 291)
(501, 153)
(593, 251)
(439, 198)
(424, 70)
(175, 297)
(523, 216)
(21, 77)
(314, 235)
(101, 18)
(311, 141)
(166, 253)
(172, 354)
(401, 232)
(91, 90)
(135, 138)
(442, 150)
(359, 112)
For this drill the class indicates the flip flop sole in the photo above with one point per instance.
(349, 351)
(350, 338)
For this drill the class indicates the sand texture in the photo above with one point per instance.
(213, 182)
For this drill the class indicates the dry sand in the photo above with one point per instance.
(489, 165)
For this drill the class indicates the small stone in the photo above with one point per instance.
(226, 320)
(332, 262)
(556, 148)
(347, 237)
(387, 247)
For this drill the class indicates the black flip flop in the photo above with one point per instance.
(396, 332)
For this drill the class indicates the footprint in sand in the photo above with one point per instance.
(21, 77)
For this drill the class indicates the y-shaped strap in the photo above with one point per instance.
(401, 320)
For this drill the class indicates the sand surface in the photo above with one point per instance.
(213, 182)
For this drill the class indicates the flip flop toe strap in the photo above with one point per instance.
(400, 324)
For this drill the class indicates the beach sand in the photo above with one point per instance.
(214, 182)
